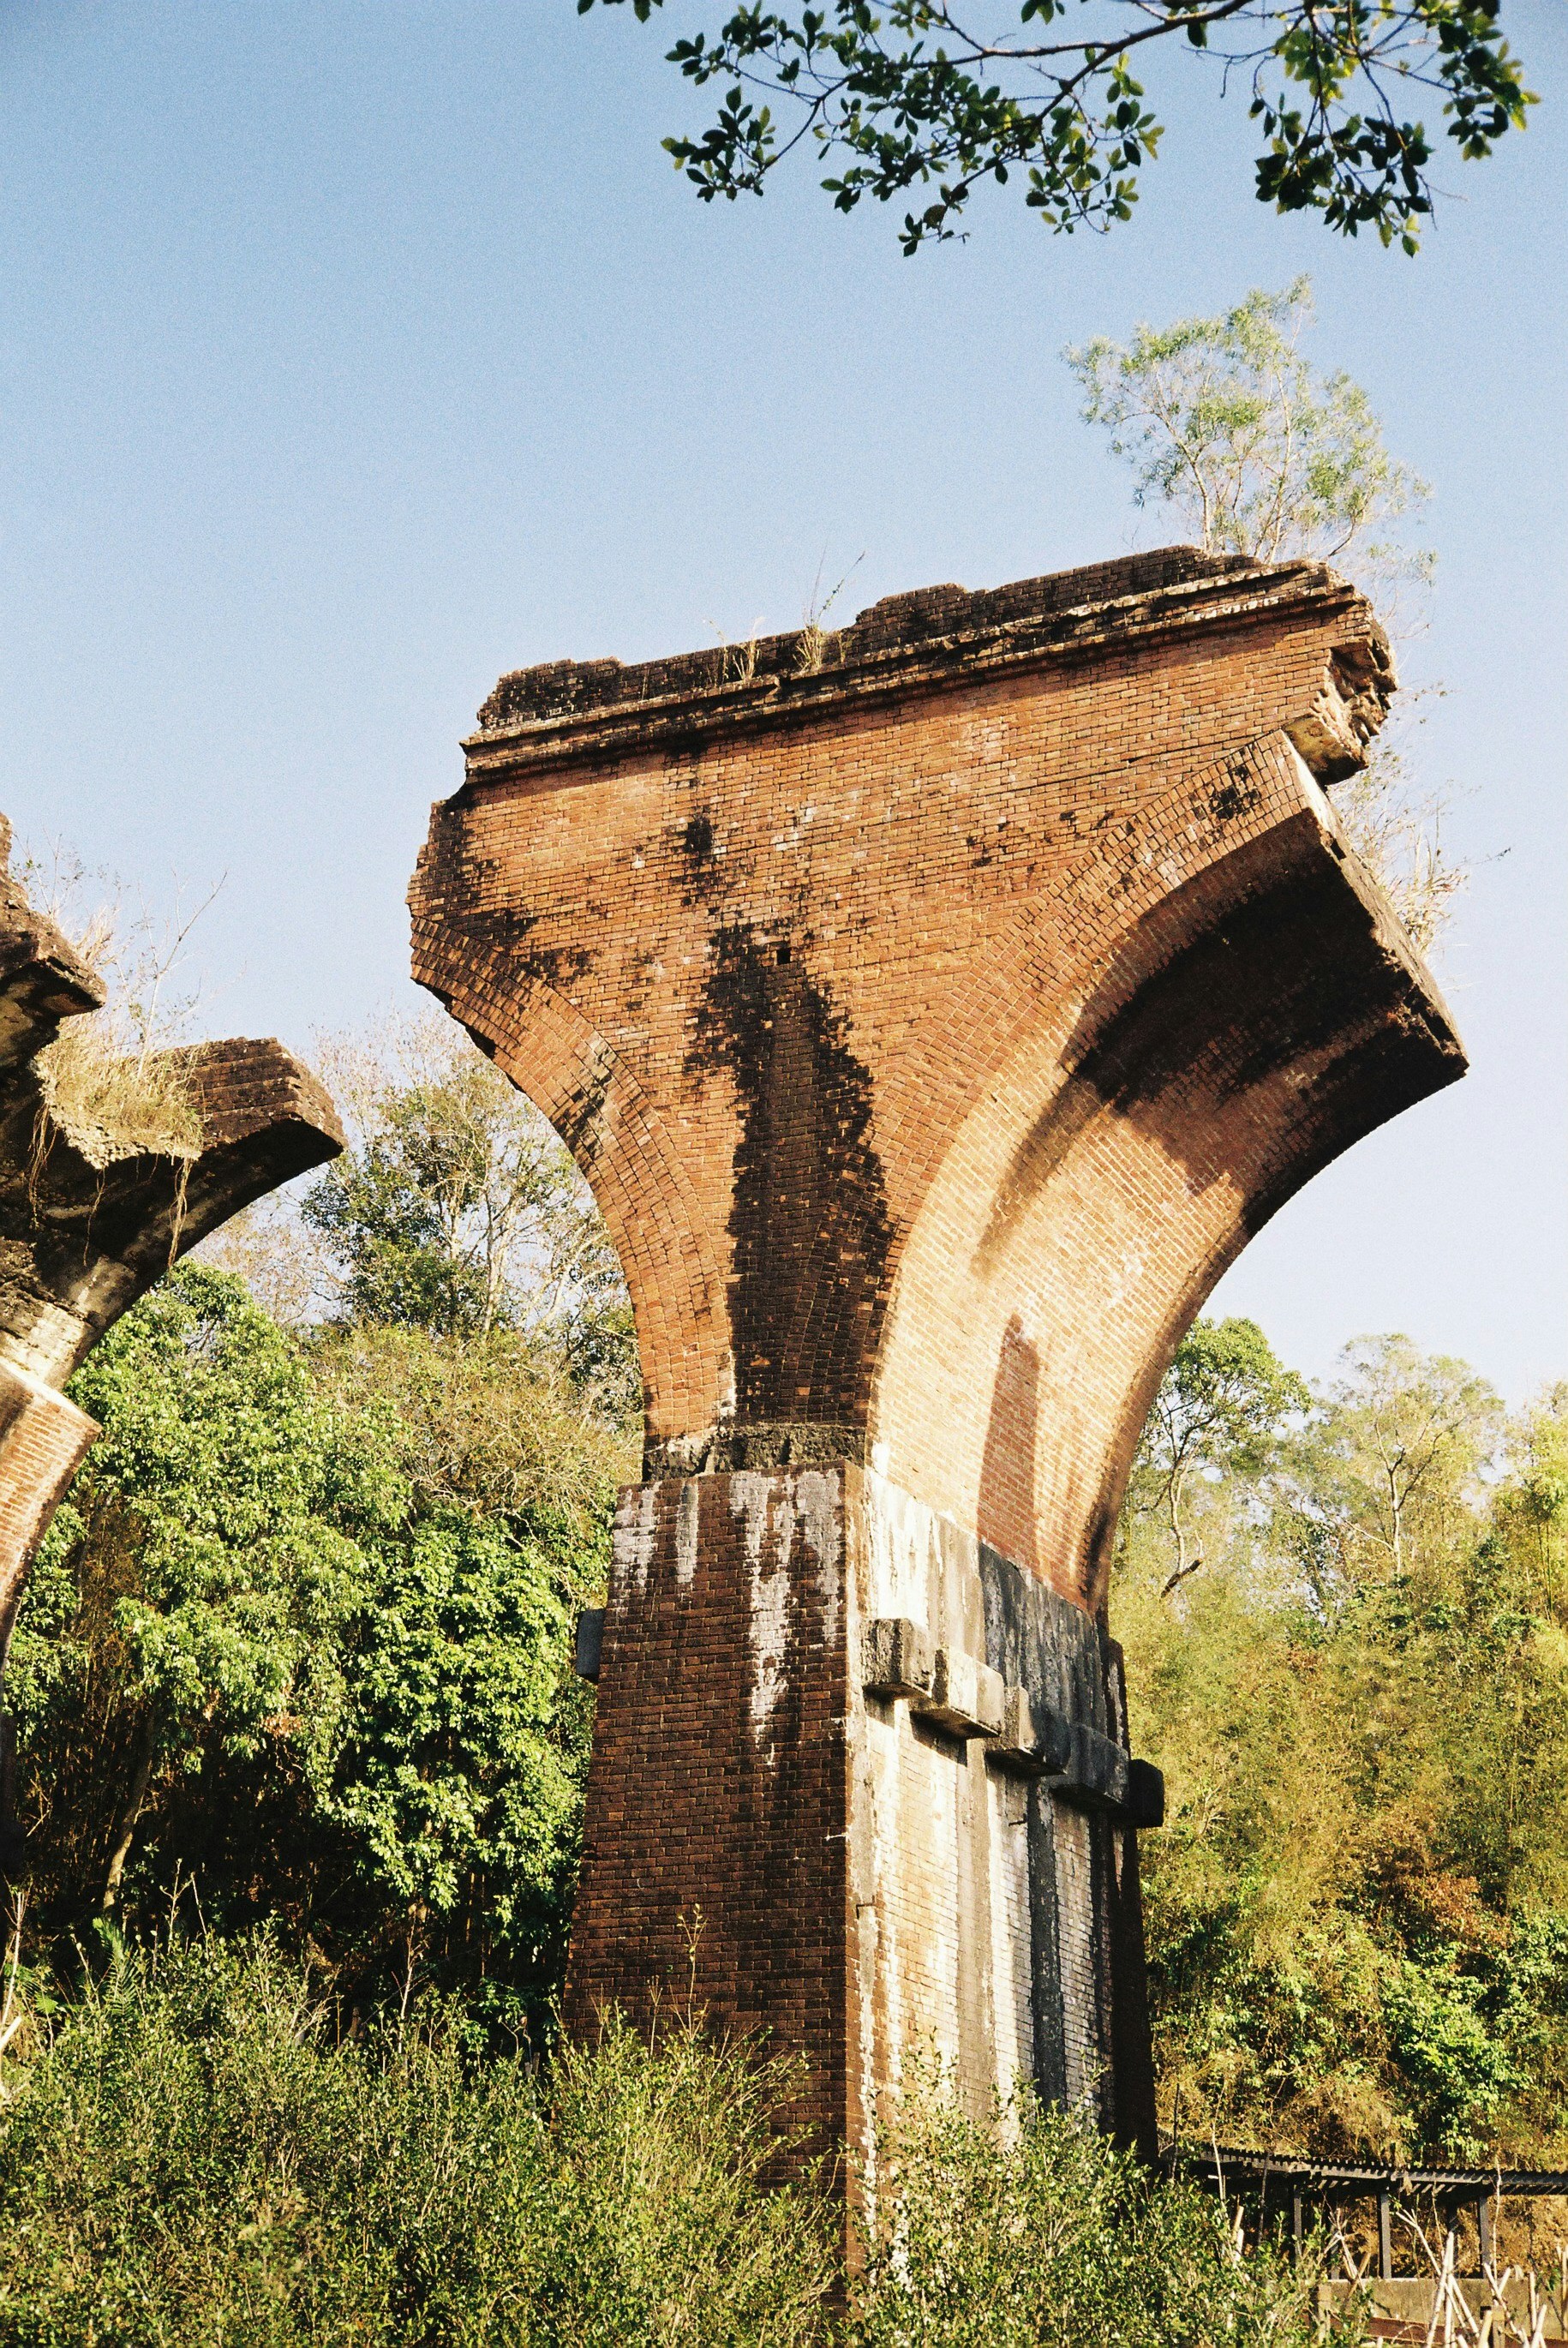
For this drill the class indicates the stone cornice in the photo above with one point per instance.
(568, 711)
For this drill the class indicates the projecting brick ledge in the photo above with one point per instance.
(565, 710)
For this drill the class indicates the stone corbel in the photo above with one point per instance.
(969, 1699)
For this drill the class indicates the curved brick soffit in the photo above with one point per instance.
(85, 1230)
(1124, 910)
(574, 1076)
(1223, 1003)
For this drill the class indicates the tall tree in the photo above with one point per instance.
(1225, 420)
(935, 95)
(1357, 1913)
(455, 1214)
(1256, 453)
(1388, 1468)
(1221, 1411)
(456, 1210)
(286, 1641)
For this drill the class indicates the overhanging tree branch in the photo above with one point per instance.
(912, 96)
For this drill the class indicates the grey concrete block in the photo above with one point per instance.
(967, 1696)
(1033, 1737)
(1096, 1772)
(898, 1658)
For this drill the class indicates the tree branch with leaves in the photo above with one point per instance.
(1221, 1410)
(942, 94)
(1224, 420)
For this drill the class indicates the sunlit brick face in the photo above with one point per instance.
(935, 1026)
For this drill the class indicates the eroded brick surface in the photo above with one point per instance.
(935, 1027)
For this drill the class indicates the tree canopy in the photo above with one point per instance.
(298, 1646)
(301, 1635)
(1224, 419)
(935, 96)
(1357, 1913)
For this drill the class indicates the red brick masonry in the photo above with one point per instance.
(934, 1025)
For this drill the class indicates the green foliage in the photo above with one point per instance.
(456, 1210)
(1224, 418)
(301, 1636)
(302, 1655)
(1386, 1476)
(1357, 1911)
(192, 2158)
(193, 2155)
(910, 96)
(1050, 2236)
(1218, 1412)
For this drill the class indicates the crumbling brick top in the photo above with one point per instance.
(913, 639)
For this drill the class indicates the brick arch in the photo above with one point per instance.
(886, 940)
(1075, 935)
(1143, 1100)
(573, 1075)
(1096, 925)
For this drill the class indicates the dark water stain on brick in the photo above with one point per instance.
(496, 931)
(1237, 794)
(810, 1216)
(697, 838)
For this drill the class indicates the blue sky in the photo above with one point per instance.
(353, 351)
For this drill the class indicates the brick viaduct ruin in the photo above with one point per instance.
(87, 1224)
(935, 1011)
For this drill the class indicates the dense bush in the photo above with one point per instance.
(283, 1644)
(299, 1642)
(1056, 2238)
(191, 2155)
(193, 2159)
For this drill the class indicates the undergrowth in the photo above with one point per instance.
(192, 2158)
(1052, 2237)
(190, 2155)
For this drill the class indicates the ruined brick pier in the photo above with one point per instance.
(88, 1222)
(934, 1024)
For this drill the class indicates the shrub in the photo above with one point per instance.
(192, 2159)
(1042, 2233)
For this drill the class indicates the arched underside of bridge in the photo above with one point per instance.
(1242, 1034)
(1074, 1144)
